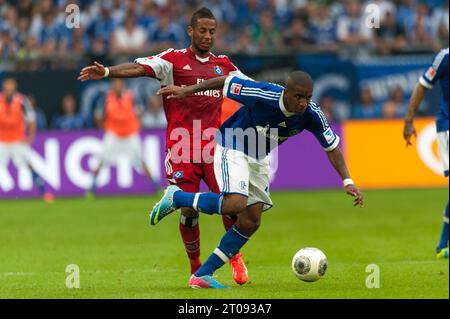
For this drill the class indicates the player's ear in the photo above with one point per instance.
(190, 31)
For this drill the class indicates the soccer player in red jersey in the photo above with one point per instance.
(196, 117)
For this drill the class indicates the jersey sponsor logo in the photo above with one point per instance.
(329, 135)
(235, 88)
(218, 70)
(211, 93)
(431, 73)
(187, 67)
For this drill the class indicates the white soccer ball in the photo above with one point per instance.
(309, 264)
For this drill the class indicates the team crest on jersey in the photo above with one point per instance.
(178, 174)
(431, 73)
(243, 185)
(218, 70)
(235, 88)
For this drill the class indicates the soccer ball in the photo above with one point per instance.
(309, 264)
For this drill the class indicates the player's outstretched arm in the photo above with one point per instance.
(99, 71)
(337, 160)
(176, 92)
(416, 98)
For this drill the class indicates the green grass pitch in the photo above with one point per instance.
(120, 256)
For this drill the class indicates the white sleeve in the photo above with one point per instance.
(239, 74)
(162, 67)
(29, 113)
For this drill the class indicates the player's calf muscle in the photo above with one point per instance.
(233, 204)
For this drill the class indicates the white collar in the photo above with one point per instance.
(283, 108)
(203, 60)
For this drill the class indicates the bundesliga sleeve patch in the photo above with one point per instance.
(430, 74)
(329, 135)
(235, 88)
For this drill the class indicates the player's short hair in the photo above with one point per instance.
(9, 78)
(203, 13)
(300, 78)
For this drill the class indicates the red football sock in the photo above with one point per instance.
(191, 240)
(228, 221)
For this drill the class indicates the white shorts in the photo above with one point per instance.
(237, 173)
(18, 152)
(115, 147)
(442, 138)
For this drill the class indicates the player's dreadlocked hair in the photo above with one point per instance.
(203, 13)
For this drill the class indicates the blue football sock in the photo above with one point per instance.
(229, 246)
(38, 182)
(209, 203)
(444, 234)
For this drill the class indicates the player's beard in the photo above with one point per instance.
(202, 48)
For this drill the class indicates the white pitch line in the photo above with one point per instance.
(10, 274)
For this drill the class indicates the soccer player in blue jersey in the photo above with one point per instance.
(438, 71)
(241, 162)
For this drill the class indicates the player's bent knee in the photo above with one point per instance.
(233, 204)
(189, 212)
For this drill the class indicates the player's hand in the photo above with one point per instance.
(173, 92)
(408, 131)
(354, 191)
(92, 72)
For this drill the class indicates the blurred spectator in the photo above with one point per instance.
(148, 15)
(396, 106)
(27, 55)
(8, 46)
(273, 25)
(351, 27)
(154, 116)
(103, 26)
(25, 9)
(421, 30)
(334, 109)
(366, 108)
(391, 36)
(245, 45)
(322, 27)
(327, 105)
(129, 39)
(441, 24)
(164, 34)
(69, 118)
(41, 119)
(297, 35)
(248, 12)
(266, 34)
(227, 41)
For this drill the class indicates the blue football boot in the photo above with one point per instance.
(165, 206)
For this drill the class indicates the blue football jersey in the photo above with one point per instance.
(263, 122)
(438, 71)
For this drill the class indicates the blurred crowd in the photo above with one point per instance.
(151, 112)
(31, 29)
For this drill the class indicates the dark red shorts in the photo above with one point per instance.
(188, 176)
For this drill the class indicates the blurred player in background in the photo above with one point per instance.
(242, 166)
(186, 67)
(17, 131)
(118, 115)
(438, 71)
